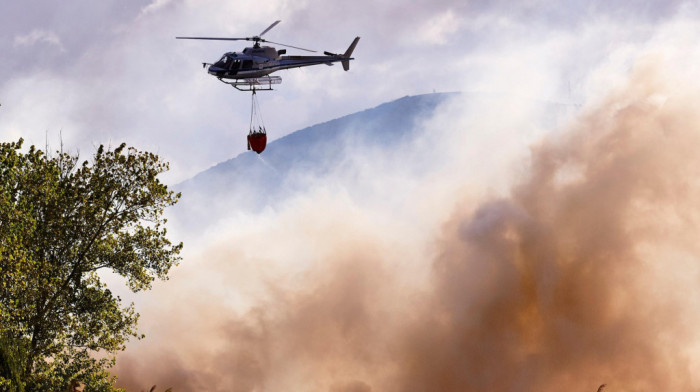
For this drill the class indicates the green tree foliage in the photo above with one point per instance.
(12, 354)
(62, 222)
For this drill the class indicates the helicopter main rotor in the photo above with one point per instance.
(257, 39)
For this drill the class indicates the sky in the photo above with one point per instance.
(109, 72)
(488, 253)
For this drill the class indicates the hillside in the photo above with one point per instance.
(295, 162)
(251, 182)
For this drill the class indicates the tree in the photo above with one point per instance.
(61, 223)
(11, 358)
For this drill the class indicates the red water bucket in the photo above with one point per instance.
(257, 142)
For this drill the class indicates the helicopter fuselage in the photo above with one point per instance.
(259, 61)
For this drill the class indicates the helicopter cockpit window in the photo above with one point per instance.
(222, 62)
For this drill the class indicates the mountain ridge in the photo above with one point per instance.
(251, 182)
(428, 101)
(297, 161)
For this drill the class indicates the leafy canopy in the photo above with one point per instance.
(62, 222)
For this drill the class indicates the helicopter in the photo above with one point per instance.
(250, 70)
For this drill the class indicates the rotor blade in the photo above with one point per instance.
(214, 38)
(289, 46)
(268, 29)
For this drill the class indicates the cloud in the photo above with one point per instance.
(154, 6)
(39, 36)
(439, 28)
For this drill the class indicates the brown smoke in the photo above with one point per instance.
(570, 281)
(586, 273)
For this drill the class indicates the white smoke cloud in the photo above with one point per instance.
(439, 29)
(39, 36)
(154, 6)
(514, 244)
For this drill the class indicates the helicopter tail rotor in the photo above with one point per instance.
(348, 53)
(345, 56)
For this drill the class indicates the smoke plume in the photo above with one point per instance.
(585, 272)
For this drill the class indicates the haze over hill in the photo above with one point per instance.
(314, 150)
(296, 162)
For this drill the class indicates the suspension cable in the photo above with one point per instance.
(256, 118)
(252, 110)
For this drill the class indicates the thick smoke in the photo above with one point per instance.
(585, 272)
(580, 276)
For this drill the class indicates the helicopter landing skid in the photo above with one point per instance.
(254, 84)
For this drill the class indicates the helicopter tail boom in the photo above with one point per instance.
(348, 53)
